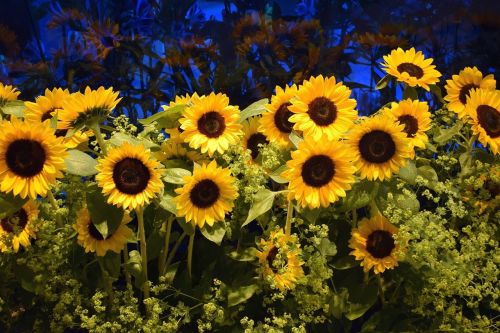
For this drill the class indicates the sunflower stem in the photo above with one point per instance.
(190, 254)
(108, 282)
(373, 208)
(381, 289)
(98, 135)
(126, 258)
(354, 217)
(289, 214)
(144, 255)
(164, 253)
(174, 250)
(55, 207)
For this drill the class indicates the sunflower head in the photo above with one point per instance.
(17, 229)
(92, 240)
(415, 117)
(8, 93)
(322, 107)
(381, 147)
(170, 150)
(275, 123)
(280, 260)
(483, 108)
(253, 139)
(211, 124)
(31, 158)
(83, 108)
(320, 174)
(45, 106)
(411, 67)
(207, 195)
(459, 87)
(129, 176)
(373, 243)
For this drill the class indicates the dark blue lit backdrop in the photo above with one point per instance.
(152, 50)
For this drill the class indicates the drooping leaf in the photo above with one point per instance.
(410, 92)
(80, 164)
(9, 204)
(444, 135)
(436, 90)
(112, 263)
(214, 233)
(275, 175)
(15, 108)
(239, 294)
(361, 298)
(262, 202)
(175, 175)
(408, 172)
(134, 267)
(166, 119)
(327, 248)
(254, 109)
(167, 203)
(360, 195)
(295, 138)
(247, 254)
(105, 217)
(120, 138)
(383, 82)
(428, 173)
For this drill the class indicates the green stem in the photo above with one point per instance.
(98, 135)
(144, 255)
(55, 207)
(164, 253)
(289, 214)
(373, 208)
(354, 217)
(108, 281)
(190, 254)
(126, 258)
(381, 289)
(174, 250)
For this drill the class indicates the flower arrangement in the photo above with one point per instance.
(291, 215)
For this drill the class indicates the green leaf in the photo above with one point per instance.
(254, 109)
(361, 299)
(428, 173)
(410, 92)
(436, 90)
(120, 138)
(166, 119)
(247, 254)
(275, 175)
(134, 267)
(9, 204)
(214, 233)
(240, 294)
(409, 172)
(168, 204)
(112, 263)
(188, 228)
(295, 138)
(262, 202)
(327, 248)
(407, 202)
(175, 175)
(80, 164)
(360, 195)
(445, 134)
(383, 82)
(345, 262)
(171, 271)
(338, 303)
(15, 108)
(105, 217)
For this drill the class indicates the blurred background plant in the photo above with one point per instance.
(152, 50)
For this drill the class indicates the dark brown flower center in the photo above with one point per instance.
(380, 244)
(411, 69)
(377, 147)
(47, 115)
(492, 187)
(281, 118)
(18, 220)
(212, 124)
(205, 193)
(95, 233)
(489, 119)
(411, 125)
(131, 176)
(271, 256)
(322, 111)
(464, 92)
(318, 170)
(253, 143)
(61, 132)
(25, 157)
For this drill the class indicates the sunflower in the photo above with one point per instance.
(415, 117)
(104, 36)
(211, 123)
(323, 107)
(380, 146)
(459, 87)
(18, 228)
(78, 109)
(280, 260)
(129, 176)
(207, 195)
(170, 150)
(411, 67)
(275, 123)
(7, 94)
(373, 243)
(91, 239)
(253, 137)
(483, 107)
(45, 107)
(175, 133)
(319, 174)
(31, 158)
